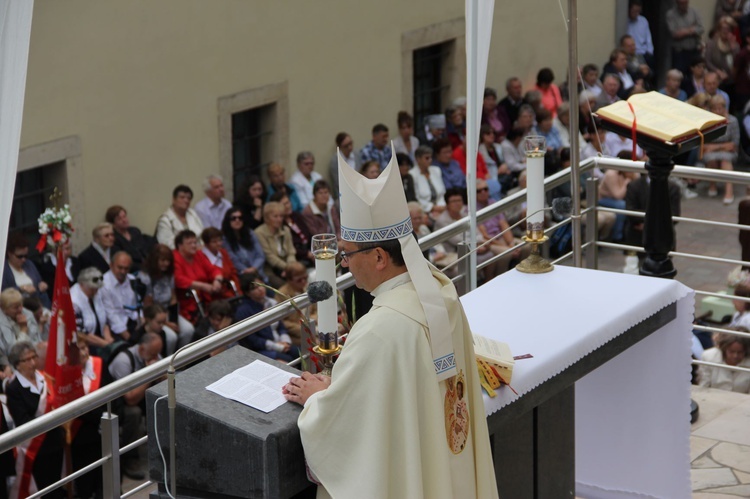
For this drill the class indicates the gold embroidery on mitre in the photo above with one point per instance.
(456, 413)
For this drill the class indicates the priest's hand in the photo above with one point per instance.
(300, 389)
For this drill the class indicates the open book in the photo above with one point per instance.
(497, 354)
(660, 116)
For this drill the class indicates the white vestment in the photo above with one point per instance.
(381, 430)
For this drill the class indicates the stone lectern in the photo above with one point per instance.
(226, 449)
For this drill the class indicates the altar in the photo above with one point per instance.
(603, 407)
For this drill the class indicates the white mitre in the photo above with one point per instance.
(374, 210)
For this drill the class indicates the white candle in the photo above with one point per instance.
(535, 150)
(325, 270)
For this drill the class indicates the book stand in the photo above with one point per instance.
(658, 231)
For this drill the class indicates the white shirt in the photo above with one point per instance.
(210, 213)
(422, 187)
(38, 389)
(303, 186)
(216, 260)
(88, 375)
(616, 143)
(82, 307)
(169, 225)
(116, 296)
(723, 379)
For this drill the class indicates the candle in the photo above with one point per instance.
(535, 150)
(324, 248)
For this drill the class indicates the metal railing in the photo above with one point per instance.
(107, 394)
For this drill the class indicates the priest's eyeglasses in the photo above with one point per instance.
(346, 254)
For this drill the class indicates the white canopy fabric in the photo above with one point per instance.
(478, 33)
(15, 32)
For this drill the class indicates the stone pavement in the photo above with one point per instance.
(720, 445)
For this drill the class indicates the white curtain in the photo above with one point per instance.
(15, 31)
(478, 33)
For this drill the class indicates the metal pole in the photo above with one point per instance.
(172, 404)
(472, 137)
(111, 447)
(464, 267)
(592, 226)
(575, 176)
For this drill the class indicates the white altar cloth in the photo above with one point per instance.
(632, 414)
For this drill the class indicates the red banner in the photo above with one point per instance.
(62, 366)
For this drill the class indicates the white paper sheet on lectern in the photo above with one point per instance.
(257, 384)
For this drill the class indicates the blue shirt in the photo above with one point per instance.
(552, 138)
(641, 33)
(244, 257)
(372, 153)
(293, 198)
(453, 176)
(682, 96)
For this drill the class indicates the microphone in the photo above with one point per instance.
(319, 291)
(561, 208)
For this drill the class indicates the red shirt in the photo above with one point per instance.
(185, 274)
(459, 154)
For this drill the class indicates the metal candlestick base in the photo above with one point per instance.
(327, 357)
(534, 263)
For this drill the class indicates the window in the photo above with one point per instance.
(431, 86)
(252, 136)
(428, 87)
(31, 198)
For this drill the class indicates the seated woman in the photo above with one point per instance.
(428, 183)
(272, 341)
(492, 154)
(193, 271)
(251, 200)
(276, 240)
(722, 152)
(178, 217)
(27, 399)
(155, 321)
(241, 244)
(731, 350)
(21, 273)
(300, 231)
(157, 275)
(295, 285)
(213, 242)
(91, 316)
(16, 324)
(128, 238)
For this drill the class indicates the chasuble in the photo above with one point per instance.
(385, 428)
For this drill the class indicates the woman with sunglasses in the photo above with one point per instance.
(91, 316)
(242, 244)
(21, 273)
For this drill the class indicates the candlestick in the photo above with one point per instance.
(535, 147)
(324, 249)
(535, 150)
